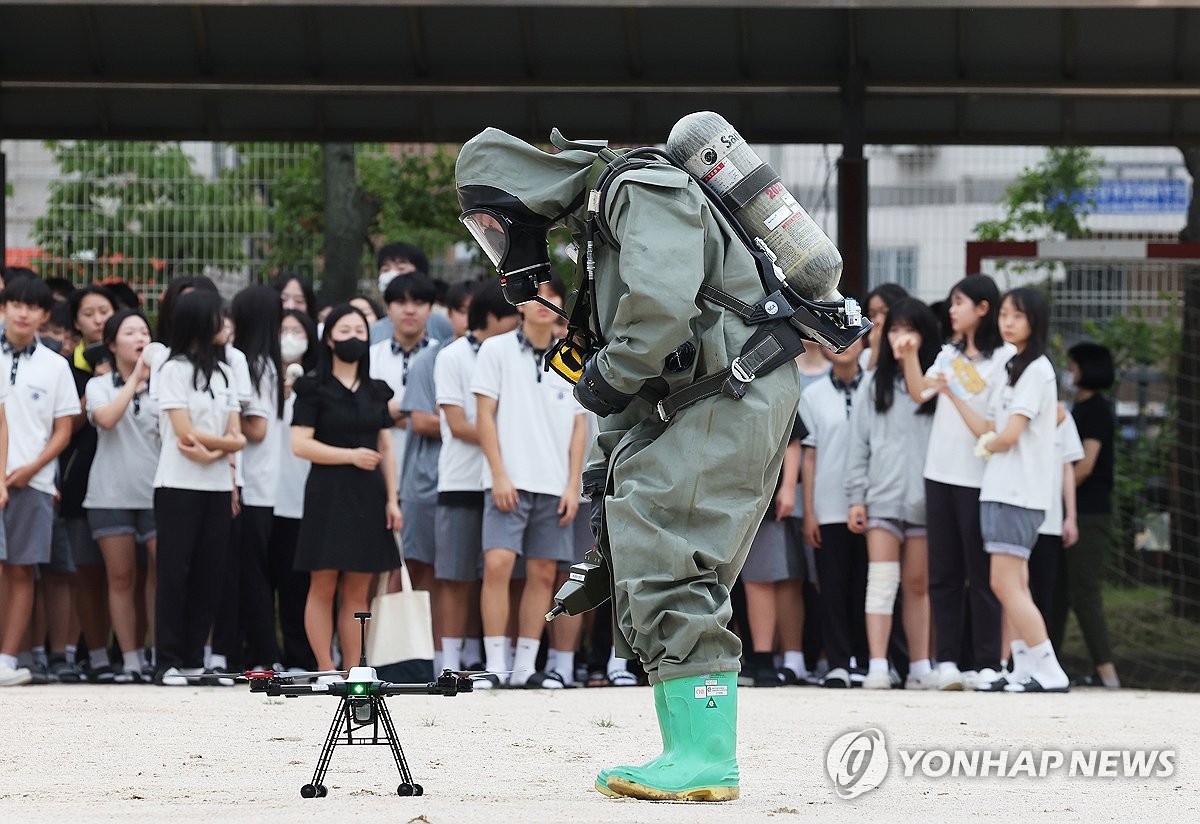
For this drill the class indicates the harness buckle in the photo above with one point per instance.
(662, 412)
(740, 372)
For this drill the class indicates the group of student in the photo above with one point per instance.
(943, 486)
(256, 469)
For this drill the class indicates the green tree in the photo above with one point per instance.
(1049, 199)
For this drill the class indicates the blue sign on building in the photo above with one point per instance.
(1133, 196)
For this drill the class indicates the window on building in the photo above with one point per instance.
(893, 264)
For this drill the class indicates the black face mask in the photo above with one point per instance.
(351, 350)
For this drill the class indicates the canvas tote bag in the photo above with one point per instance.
(400, 633)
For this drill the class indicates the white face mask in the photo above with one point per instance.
(292, 347)
(386, 277)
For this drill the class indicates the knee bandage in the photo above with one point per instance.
(883, 580)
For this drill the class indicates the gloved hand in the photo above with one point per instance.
(595, 394)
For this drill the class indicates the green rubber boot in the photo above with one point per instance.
(660, 709)
(701, 762)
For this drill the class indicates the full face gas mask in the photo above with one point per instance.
(514, 239)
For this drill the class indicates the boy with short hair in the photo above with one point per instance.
(396, 259)
(825, 409)
(41, 402)
(458, 520)
(533, 433)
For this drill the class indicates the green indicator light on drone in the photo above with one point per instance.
(359, 689)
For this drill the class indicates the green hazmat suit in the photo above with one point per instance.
(683, 499)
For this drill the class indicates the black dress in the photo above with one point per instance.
(345, 508)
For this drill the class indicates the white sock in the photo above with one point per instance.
(217, 662)
(919, 668)
(877, 665)
(1019, 660)
(208, 656)
(510, 652)
(616, 664)
(438, 657)
(142, 658)
(451, 654)
(39, 656)
(472, 651)
(98, 658)
(133, 661)
(564, 665)
(794, 660)
(1045, 666)
(8, 662)
(524, 659)
(70, 650)
(551, 660)
(496, 661)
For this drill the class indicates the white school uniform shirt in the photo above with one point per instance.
(1069, 449)
(122, 474)
(293, 470)
(392, 367)
(460, 464)
(38, 393)
(535, 415)
(244, 389)
(260, 461)
(1029, 473)
(209, 410)
(825, 412)
(951, 456)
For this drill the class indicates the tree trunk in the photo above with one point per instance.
(348, 216)
(1186, 532)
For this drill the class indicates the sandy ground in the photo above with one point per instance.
(85, 753)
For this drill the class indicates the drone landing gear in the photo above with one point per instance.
(354, 714)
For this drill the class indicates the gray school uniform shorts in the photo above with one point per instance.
(901, 530)
(417, 532)
(458, 538)
(29, 527)
(773, 557)
(1008, 529)
(531, 530)
(107, 523)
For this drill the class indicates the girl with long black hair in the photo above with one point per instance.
(342, 425)
(889, 436)
(1022, 472)
(193, 487)
(973, 366)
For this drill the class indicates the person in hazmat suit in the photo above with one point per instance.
(682, 498)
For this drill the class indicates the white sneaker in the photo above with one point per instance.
(173, 677)
(928, 681)
(949, 679)
(969, 679)
(984, 679)
(877, 681)
(14, 677)
(837, 678)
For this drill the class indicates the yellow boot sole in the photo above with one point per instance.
(621, 788)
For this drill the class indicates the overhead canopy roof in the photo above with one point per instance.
(405, 70)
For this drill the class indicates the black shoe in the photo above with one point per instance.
(102, 675)
(1089, 680)
(62, 672)
(768, 677)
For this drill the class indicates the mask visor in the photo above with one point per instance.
(491, 232)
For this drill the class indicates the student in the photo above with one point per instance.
(458, 519)
(532, 433)
(1060, 529)
(120, 496)
(371, 310)
(256, 321)
(341, 424)
(974, 364)
(40, 405)
(409, 301)
(91, 307)
(1093, 374)
(393, 260)
(298, 344)
(194, 485)
(1020, 475)
(888, 440)
(772, 576)
(825, 411)
(295, 293)
(878, 301)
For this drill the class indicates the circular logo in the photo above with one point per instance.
(771, 306)
(857, 762)
(709, 156)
